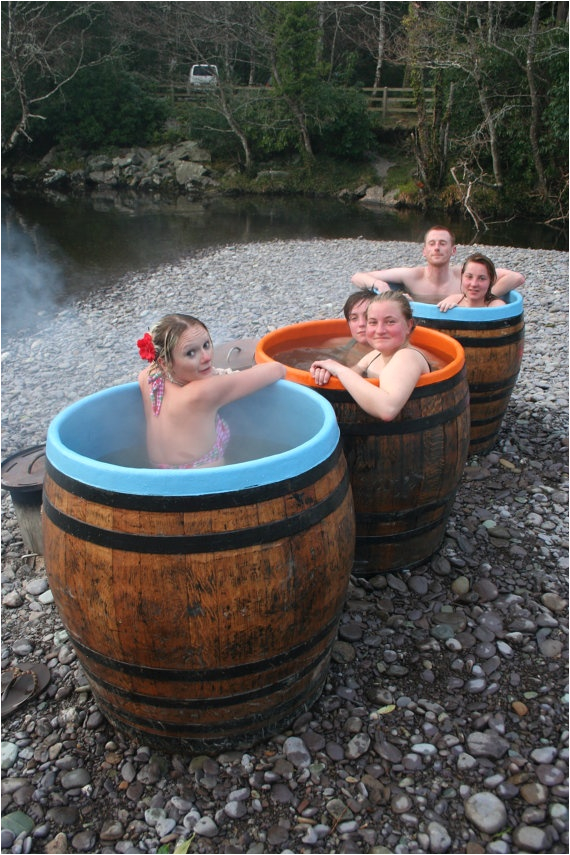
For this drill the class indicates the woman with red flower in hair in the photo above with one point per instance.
(182, 393)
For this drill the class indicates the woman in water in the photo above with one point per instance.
(182, 392)
(478, 275)
(354, 310)
(396, 363)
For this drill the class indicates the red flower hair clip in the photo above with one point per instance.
(146, 347)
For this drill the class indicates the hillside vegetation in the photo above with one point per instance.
(486, 129)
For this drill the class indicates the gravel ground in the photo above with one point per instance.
(443, 726)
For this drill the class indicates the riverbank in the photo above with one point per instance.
(443, 726)
(185, 173)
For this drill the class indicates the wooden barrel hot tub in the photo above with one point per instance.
(493, 340)
(203, 605)
(404, 473)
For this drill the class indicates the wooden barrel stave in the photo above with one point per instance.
(493, 356)
(146, 641)
(404, 473)
(408, 472)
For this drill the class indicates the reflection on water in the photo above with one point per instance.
(56, 250)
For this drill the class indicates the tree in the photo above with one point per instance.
(500, 54)
(294, 51)
(431, 135)
(44, 47)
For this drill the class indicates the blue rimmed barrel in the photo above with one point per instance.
(493, 340)
(203, 605)
(404, 473)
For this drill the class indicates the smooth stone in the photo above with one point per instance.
(339, 810)
(534, 793)
(551, 648)
(351, 631)
(9, 754)
(549, 775)
(465, 762)
(439, 839)
(206, 827)
(486, 590)
(282, 794)
(530, 838)
(75, 779)
(425, 749)
(111, 830)
(401, 803)
(83, 841)
(554, 602)
(296, 751)
(343, 652)
(460, 586)
(7, 837)
(487, 744)
(17, 822)
(58, 846)
(486, 812)
(358, 746)
(153, 815)
(235, 809)
(388, 751)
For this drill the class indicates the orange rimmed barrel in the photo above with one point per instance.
(493, 341)
(404, 473)
(203, 604)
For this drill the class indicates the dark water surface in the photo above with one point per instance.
(54, 251)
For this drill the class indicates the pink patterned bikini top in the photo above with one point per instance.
(156, 383)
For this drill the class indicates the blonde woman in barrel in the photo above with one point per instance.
(394, 360)
(182, 393)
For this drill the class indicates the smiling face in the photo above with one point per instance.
(192, 355)
(438, 247)
(475, 283)
(357, 321)
(387, 329)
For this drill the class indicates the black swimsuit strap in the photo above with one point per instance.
(425, 359)
(370, 363)
(411, 348)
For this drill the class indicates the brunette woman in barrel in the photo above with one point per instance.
(478, 275)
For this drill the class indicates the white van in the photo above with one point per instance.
(203, 75)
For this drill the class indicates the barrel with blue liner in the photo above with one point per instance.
(493, 341)
(203, 604)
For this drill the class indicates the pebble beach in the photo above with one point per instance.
(443, 724)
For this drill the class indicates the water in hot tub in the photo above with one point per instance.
(303, 356)
(241, 448)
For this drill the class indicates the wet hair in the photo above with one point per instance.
(166, 333)
(440, 229)
(479, 258)
(399, 298)
(364, 295)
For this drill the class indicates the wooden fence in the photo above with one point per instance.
(389, 101)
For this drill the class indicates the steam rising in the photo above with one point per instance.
(32, 282)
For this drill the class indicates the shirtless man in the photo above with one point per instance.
(438, 282)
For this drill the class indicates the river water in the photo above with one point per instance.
(56, 250)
